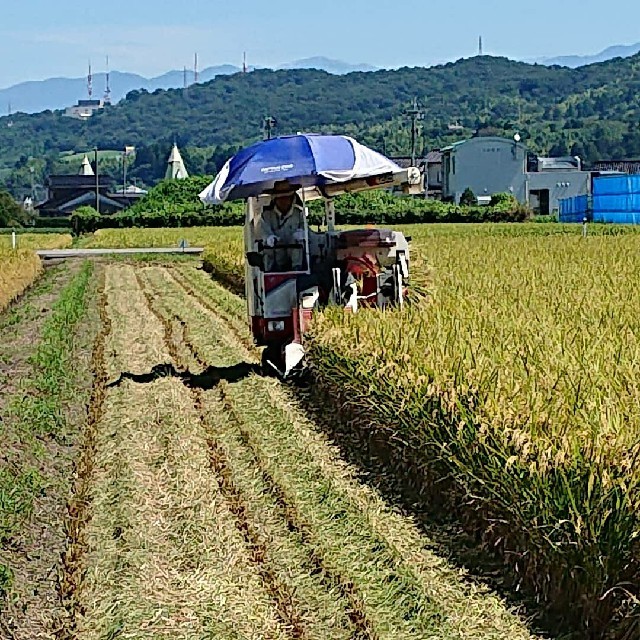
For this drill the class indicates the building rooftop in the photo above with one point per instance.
(85, 168)
(433, 157)
(567, 163)
(176, 169)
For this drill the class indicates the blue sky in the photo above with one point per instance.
(43, 38)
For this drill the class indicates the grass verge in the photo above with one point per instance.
(37, 412)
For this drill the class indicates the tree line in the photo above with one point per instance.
(591, 112)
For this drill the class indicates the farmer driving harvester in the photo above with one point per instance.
(292, 271)
(281, 228)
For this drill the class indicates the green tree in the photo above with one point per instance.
(11, 213)
(468, 198)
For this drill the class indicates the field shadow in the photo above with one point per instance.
(207, 379)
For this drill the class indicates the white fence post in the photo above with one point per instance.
(13, 240)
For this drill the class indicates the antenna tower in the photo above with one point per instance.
(90, 82)
(184, 78)
(195, 69)
(480, 46)
(107, 90)
(244, 63)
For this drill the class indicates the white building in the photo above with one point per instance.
(176, 169)
(84, 109)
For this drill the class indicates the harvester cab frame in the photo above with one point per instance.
(362, 267)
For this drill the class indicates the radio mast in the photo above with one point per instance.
(107, 91)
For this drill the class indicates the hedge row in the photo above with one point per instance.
(400, 211)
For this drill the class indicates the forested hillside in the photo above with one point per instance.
(591, 111)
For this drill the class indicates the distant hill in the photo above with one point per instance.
(58, 93)
(337, 67)
(617, 51)
(591, 111)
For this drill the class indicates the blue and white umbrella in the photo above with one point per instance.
(308, 160)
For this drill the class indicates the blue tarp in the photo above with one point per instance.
(616, 199)
(574, 209)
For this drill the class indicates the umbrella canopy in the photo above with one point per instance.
(307, 160)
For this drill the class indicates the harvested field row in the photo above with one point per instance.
(358, 548)
(136, 343)
(215, 509)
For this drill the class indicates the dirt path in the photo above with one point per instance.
(216, 509)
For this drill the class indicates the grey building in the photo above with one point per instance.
(489, 165)
(434, 173)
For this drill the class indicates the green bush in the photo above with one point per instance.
(468, 198)
(172, 203)
(61, 222)
(175, 203)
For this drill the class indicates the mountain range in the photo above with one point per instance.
(616, 51)
(58, 93)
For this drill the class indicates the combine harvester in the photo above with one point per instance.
(368, 267)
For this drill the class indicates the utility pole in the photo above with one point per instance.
(95, 150)
(269, 124)
(127, 151)
(124, 172)
(416, 114)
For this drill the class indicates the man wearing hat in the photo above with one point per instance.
(282, 222)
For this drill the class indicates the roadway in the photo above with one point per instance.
(61, 254)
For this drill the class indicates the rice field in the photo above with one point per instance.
(209, 501)
(134, 238)
(510, 387)
(37, 241)
(205, 501)
(515, 387)
(18, 270)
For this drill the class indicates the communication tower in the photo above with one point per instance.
(90, 82)
(107, 90)
(480, 46)
(195, 69)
